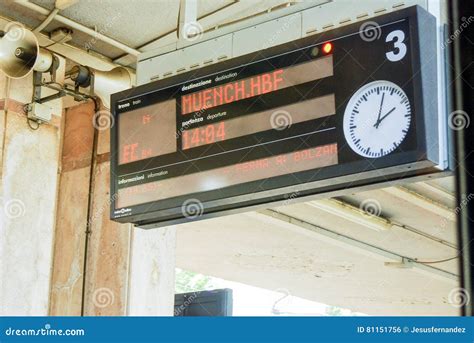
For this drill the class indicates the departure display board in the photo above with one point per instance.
(329, 112)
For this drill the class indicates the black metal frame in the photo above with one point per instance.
(404, 167)
(213, 303)
(462, 88)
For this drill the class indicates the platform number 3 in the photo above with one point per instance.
(399, 48)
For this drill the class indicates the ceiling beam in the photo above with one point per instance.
(187, 19)
(70, 52)
(422, 201)
(75, 25)
(354, 214)
(354, 243)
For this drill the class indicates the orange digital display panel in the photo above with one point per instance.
(257, 122)
(147, 132)
(256, 85)
(301, 160)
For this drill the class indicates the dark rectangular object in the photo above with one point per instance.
(346, 108)
(215, 303)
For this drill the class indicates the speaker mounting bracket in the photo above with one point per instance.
(61, 91)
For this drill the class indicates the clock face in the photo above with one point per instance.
(377, 119)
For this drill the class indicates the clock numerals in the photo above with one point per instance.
(377, 119)
(399, 51)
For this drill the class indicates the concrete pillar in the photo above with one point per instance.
(152, 270)
(107, 255)
(29, 176)
(42, 227)
(127, 271)
(72, 211)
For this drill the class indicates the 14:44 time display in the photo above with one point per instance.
(203, 135)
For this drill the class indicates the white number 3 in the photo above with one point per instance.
(400, 48)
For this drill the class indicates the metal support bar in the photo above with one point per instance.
(371, 220)
(61, 91)
(58, 95)
(187, 19)
(439, 190)
(461, 37)
(37, 82)
(353, 214)
(421, 201)
(356, 243)
(79, 27)
(48, 20)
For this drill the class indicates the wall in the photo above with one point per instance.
(29, 175)
(87, 242)
(59, 252)
(94, 270)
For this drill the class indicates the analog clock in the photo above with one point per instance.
(377, 119)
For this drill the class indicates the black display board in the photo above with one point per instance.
(214, 303)
(348, 107)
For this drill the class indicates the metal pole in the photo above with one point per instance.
(461, 119)
(187, 19)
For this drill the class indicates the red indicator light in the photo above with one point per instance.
(327, 48)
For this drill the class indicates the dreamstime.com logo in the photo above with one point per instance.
(46, 331)
(192, 208)
(281, 120)
(458, 120)
(103, 297)
(371, 207)
(103, 120)
(15, 31)
(192, 31)
(458, 297)
(370, 31)
(13, 208)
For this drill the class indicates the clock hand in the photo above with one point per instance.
(385, 116)
(380, 109)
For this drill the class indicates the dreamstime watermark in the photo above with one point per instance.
(371, 207)
(290, 197)
(456, 211)
(281, 120)
(103, 120)
(15, 31)
(13, 208)
(458, 297)
(188, 300)
(192, 208)
(103, 297)
(108, 25)
(370, 31)
(458, 120)
(192, 31)
(465, 22)
(45, 331)
(195, 118)
(282, 29)
(98, 213)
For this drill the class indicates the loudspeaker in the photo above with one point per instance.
(112, 81)
(20, 53)
(104, 82)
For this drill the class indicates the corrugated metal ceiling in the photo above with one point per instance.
(134, 23)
